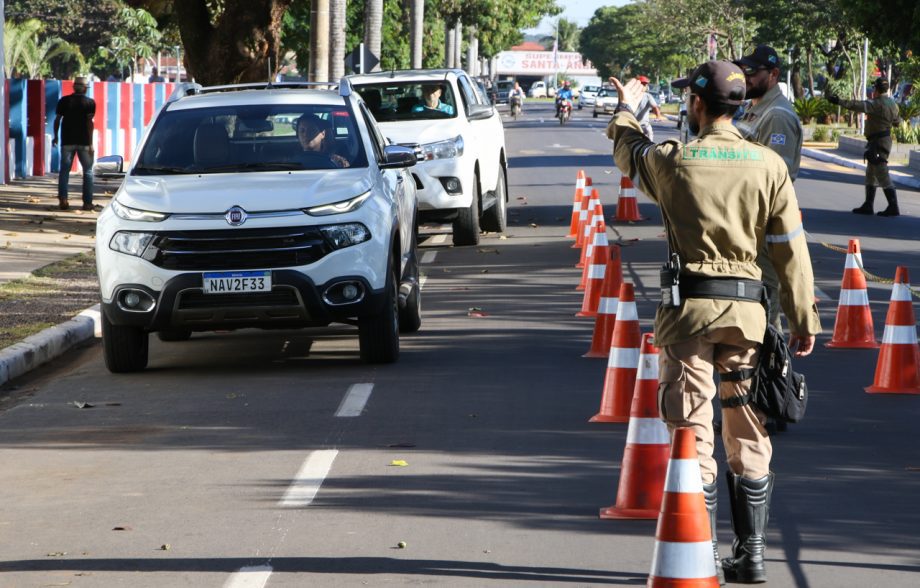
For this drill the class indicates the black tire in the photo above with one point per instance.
(174, 335)
(125, 348)
(378, 335)
(466, 225)
(595, 114)
(495, 219)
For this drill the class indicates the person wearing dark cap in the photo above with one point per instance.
(647, 105)
(882, 114)
(771, 121)
(721, 197)
(76, 111)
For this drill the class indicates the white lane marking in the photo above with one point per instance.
(428, 256)
(439, 239)
(354, 401)
(821, 294)
(306, 484)
(249, 577)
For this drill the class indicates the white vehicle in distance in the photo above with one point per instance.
(587, 96)
(537, 90)
(273, 206)
(462, 175)
(606, 101)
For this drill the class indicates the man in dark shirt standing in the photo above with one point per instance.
(77, 111)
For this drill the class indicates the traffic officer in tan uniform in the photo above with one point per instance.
(770, 120)
(721, 198)
(882, 113)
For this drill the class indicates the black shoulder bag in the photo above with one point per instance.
(776, 389)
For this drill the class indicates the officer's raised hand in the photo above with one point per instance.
(630, 94)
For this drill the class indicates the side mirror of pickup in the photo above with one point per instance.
(481, 112)
(110, 166)
(396, 156)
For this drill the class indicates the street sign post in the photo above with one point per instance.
(361, 60)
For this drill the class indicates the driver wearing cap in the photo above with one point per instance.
(721, 197)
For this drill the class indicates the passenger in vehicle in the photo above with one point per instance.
(314, 136)
(431, 98)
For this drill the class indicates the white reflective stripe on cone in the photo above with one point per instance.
(853, 261)
(854, 298)
(607, 305)
(683, 560)
(627, 311)
(901, 293)
(623, 357)
(684, 476)
(596, 271)
(647, 431)
(648, 367)
(900, 335)
(600, 238)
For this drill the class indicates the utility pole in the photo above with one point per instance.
(319, 41)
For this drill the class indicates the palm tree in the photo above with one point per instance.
(373, 26)
(337, 39)
(36, 56)
(15, 38)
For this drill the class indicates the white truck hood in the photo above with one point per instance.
(255, 192)
(421, 131)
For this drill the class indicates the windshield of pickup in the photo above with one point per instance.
(232, 139)
(409, 100)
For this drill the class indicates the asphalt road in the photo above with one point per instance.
(233, 461)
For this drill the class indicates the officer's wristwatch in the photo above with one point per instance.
(623, 107)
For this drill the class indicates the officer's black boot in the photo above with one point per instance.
(866, 208)
(710, 494)
(750, 501)
(892, 197)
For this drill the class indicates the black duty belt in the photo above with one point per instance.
(878, 135)
(722, 288)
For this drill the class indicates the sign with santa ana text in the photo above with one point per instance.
(541, 63)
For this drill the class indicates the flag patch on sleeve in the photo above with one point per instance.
(777, 139)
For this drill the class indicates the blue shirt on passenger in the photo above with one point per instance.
(445, 108)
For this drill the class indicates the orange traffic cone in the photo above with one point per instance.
(597, 234)
(576, 204)
(595, 269)
(898, 368)
(627, 207)
(853, 328)
(607, 306)
(645, 460)
(623, 362)
(590, 225)
(584, 210)
(683, 540)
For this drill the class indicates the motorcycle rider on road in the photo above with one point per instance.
(563, 93)
(516, 94)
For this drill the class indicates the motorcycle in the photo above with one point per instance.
(515, 107)
(565, 111)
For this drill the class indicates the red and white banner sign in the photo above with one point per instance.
(541, 63)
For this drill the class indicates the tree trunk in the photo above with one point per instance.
(416, 32)
(319, 41)
(458, 45)
(337, 39)
(373, 26)
(811, 71)
(472, 50)
(237, 47)
(449, 44)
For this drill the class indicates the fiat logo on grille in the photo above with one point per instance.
(236, 216)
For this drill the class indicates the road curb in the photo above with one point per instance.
(896, 177)
(33, 351)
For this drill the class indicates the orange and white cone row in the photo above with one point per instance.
(606, 316)
(898, 368)
(622, 363)
(576, 204)
(853, 327)
(590, 226)
(645, 459)
(683, 540)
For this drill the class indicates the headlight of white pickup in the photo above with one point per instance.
(341, 236)
(443, 149)
(134, 214)
(130, 242)
(339, 207)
